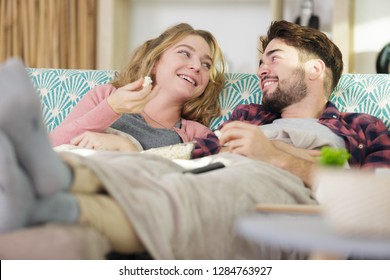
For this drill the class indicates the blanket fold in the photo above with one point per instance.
(188, 216)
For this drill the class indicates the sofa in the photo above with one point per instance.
(61, 89)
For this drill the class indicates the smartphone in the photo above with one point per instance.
(206, 168)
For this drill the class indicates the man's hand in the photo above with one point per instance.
(131, 98)
(103, 141)
(310, 155)
(247, 140)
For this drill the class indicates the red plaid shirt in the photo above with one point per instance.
(366, 137)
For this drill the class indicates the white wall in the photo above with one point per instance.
(372, 33)
(322, 8)
(237, 24)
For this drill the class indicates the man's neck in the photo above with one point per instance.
(304, 110)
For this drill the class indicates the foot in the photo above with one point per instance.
(16, 192)
(21, 121)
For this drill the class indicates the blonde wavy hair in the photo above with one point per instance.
(145, 57)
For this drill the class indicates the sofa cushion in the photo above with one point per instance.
(364, 93)
(67, 242)
(61, 89)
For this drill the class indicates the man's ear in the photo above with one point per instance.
(315, 68)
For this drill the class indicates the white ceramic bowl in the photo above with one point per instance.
(355, 202)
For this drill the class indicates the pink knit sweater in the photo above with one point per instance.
(93, 113)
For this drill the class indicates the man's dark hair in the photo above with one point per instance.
(310, 43)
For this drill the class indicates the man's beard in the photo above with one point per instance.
(289, 91)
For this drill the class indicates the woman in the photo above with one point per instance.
(187, 70)
(37, 185)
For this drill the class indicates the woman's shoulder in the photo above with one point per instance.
(195, 124)
(194, 128)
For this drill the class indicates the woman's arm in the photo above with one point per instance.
(104, 141)
(92, 113)
(190, 130)
(101, 107)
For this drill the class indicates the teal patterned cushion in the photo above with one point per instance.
(364, 93)
(361, 93)
(240, 88)
(61, 89)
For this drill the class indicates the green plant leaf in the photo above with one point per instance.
(333, 157)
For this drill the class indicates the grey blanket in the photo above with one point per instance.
(187, 216)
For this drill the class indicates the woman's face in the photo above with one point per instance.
(184, 68)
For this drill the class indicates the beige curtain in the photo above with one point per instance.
(49, 33)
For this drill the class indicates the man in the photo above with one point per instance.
(298, 71)
(148, 203)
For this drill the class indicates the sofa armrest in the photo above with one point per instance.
(55, 242)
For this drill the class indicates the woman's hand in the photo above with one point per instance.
(131, 98)
(103, 141)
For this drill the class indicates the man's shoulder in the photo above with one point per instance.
(247, 107)
(358, 116)
(247, 111)
(332, 111)
(364, 121)
(255, 113)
